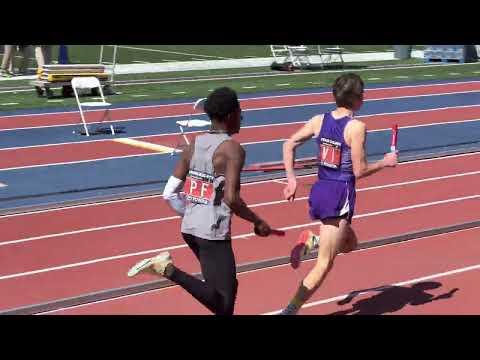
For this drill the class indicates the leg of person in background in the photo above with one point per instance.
(7, 61)
(39, 56)
(26, 54)
(47, 54)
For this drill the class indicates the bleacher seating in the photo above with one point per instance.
(449, 53)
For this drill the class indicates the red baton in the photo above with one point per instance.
(393, 147)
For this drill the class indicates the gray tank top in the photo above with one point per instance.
(206, 215)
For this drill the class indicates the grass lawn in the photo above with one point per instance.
(244, 85)
(128, 54)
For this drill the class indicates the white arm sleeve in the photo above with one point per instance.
(172, 194)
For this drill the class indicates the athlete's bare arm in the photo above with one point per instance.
(311, 128)
(230, 157)
(355, 136)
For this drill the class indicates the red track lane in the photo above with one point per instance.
(51, 154)
(145, 237)
(410, 299)
(107, 214)
(270, 289)
(74, 248)
(49, 119)
(107, 275)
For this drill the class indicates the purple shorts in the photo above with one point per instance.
(332, 199)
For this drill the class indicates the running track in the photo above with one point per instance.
(90, 247)
(383, 210)
(108, 166)
(158, 111)
(452, 269)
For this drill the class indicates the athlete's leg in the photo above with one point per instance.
(218, 291)
(309, 241)
(219, 271)
(351, 241)
(334, 235)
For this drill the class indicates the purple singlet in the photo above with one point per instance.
(333, 195)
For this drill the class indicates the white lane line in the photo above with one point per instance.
(157, 153)
(249, 87)
(34, 212)
(243, 185)
(402, 283)
(3, 185)
(245, 143)
(100, 228)
(169, 52)
(194, 132)
(81, 161)
(247, 272)
(284, 84)
(242, 236)
(279, 96)
(275, 75)
(255, 109)
(275, 202)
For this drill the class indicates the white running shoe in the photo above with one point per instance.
(157, 264)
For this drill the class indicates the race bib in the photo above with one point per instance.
(330, 153)
(199, 187)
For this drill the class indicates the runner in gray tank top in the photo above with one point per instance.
(209, 174)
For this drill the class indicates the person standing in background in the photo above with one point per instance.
(43, 54)
(7, 61)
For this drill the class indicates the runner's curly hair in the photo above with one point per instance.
(220, 103)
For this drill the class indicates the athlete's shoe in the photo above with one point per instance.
(6, 73)
(306, 243)
(290, 310)
(155, 265)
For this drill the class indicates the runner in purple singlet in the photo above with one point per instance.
(341, 154)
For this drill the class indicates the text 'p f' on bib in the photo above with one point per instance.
(199, 187)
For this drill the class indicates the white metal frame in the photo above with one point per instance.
(114, 60)
(300, 55)
(89, 82)
(280, 51)
(330, 55)
(192, 123)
